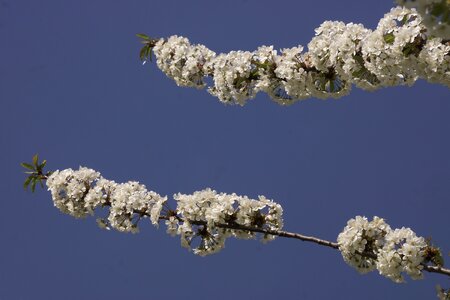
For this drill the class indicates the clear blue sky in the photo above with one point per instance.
(73, 90)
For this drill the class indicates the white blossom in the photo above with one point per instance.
(209, 218)
(233, 81)
(434, 60)
(389, 51)
(402, 252)
(80, 192)
(183, 62)
(130, 202)
(361, 236)
(100, 193)
(292, 81)
(368, 245)
(172, 225)
(70, 188)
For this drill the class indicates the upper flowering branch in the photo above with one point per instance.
(398, 52)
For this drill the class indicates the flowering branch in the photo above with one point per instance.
(213, 217)
(398, 52)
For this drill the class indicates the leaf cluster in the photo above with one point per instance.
(433, 254)
(36, 173)
(146, 51)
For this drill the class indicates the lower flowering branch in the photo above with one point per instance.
(205, 219)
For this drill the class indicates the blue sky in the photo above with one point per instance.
(73, 90)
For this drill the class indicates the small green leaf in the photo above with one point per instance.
(27, 182)
(27, 166)
(40, 182)
(389, 38)
(142, 53)
(332, 88)
(143, 36)
(404, 20)
(149, 53)
(359, 59)
(33, 184)
(42, 165)
(35, 160)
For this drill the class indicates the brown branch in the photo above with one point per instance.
(281, 233)
(437, 269)
(305, 238)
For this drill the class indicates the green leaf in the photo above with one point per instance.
(40, 182)
(143, 36)
(27, 166)
(35, 160)
(389, 38)
(149, 53)
(142, 53)
(359, 59)
(42, 165)
(33, 184)
(27, 182)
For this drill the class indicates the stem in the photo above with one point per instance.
(285, 234)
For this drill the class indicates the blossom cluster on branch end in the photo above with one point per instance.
(392, 252)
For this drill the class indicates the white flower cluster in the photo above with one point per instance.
(131, 201)
(69, 190)
(240, 75)
(403, 251)
(435, 15)
(361, 236)
(398, 52)
(80, 192)
(392, 51)
(336, 46)
(374, 245)
(183, 62)
(291, 81)
(209, 217)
